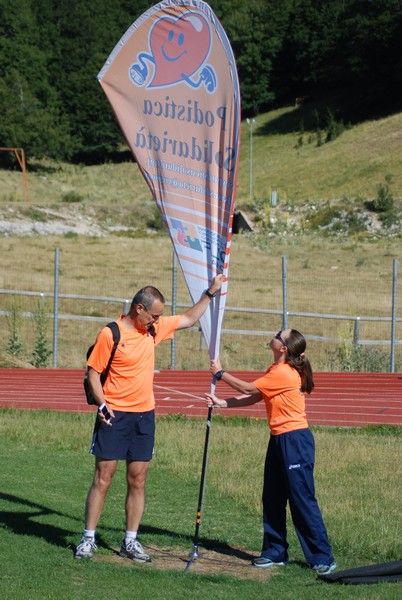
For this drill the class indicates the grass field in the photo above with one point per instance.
(46, 472)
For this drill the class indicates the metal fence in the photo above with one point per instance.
(344, 340)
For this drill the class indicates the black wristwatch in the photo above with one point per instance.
(218, 375)
(208, 293)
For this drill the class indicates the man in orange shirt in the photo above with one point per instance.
(125, 425)
(289, 463)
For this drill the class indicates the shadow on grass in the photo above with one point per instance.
(208, 544)
(352, 108)
(23, 522)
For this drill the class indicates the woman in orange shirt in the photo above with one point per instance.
(289, 464)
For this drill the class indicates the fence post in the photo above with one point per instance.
(393, 318)
(174, 307)
(284, 294)
(356, 331)
(56, 307)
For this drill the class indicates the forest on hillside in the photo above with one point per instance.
(52, 50)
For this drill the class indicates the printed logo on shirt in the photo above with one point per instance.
(297, 466)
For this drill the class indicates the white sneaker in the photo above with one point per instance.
(266, 563)
(324, 569)
(86, 548)
(134, 550)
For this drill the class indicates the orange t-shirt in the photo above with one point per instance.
(284, 400)
(129, 385)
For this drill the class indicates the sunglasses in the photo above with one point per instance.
(278, 336)
(154, 317)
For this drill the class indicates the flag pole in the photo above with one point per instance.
(194, 554)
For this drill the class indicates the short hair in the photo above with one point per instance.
(147, 296)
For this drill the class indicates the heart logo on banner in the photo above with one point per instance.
(179, 47)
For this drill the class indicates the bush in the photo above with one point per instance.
(72, 197)
(384, 202)
(42, 352)
(155, 221)
(334, 127)
(336, 220)
(14, 320)
(359, 358)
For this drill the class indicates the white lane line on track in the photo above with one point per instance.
(161, 387)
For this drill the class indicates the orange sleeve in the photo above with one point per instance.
(166, 327)
(102, 350)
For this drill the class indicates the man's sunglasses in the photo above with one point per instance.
(155, 317)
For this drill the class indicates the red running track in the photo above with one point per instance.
(339, 399)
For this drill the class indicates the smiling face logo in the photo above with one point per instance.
(178, 49)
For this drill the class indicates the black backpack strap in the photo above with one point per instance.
(116, 338)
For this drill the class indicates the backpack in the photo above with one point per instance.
(116, 338)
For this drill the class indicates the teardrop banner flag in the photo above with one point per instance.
(173, 86)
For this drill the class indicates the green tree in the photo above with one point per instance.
(93, 124)
(256, 31)
(351, 48)
(52, 50)
(308, 55)
(31, 113)
(370, 49)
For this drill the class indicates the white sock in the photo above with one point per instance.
(89, 533)
(130, 535)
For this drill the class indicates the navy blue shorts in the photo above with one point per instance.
(131, 437)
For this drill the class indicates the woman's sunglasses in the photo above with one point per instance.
(278, 336)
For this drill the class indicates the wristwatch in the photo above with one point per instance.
(208, 293)
(218, 375)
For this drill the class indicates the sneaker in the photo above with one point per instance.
(86, 548)
(264, 563)
(324, 569)
(134, 550)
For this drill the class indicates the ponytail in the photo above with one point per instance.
(296, 345)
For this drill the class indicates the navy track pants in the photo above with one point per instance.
(289, 476)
